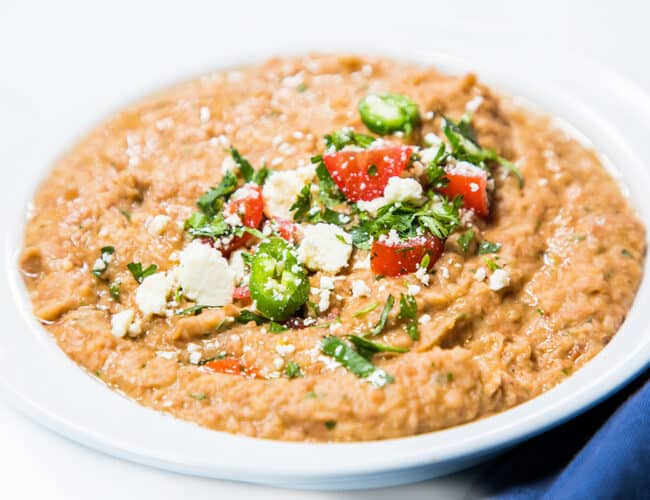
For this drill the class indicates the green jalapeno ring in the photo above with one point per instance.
(278, 282)
(388, 113)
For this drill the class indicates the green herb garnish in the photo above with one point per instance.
(114, 290)
(465, 239)
(106, 253)
(246, 316)
(195, 310)
(140, 273)
(347, 137)
(200, 224)
(330, 424)
(199, 396)
(383, 317)
(408, 309)
(210, 203)
(292, 370)
(367, 347)
(488, 247)
(353, 361)
(275, 327)
(366, 309)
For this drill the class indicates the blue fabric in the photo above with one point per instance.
(603, 454)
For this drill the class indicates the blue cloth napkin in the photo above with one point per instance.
(603, 454)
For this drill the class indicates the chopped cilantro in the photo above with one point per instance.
(126, 213)
(105, 257)
(434, 169)
(114, 290)
(625, 252)
(366, 309)
(367, 347)
(245, 168)
(199, 396)
(492, 265)
(194, 310)
(381, 324)
(330, 424)
(211, 201)
(200, 224)
(408, 309)
(275, 327)
(347, 137)
(372, 170)
(353, 361)
(140, 273)
(488, 247)
(246, 316)
(465, 239)
(301, 206)
(292, 370)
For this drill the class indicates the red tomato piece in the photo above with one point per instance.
(286, 229)
(394, 258)
(231, 366)
(363, 174)
(248, 204)
(242, 293)
(471, 184)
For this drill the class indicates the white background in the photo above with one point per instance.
(52, 44)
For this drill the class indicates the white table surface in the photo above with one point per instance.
(73, 43)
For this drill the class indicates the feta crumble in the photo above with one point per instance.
(284, 349)
(424, 319)
(151, 295)
(157, 225)
(397, 190)
(204, 275)
(499, 279)
(360, 289)
(325, 247)
(282, 188)
(480, 274)
(121, 321)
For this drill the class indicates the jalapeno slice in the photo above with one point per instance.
(278, 282)
(388, 113)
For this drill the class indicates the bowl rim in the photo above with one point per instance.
(601, 376)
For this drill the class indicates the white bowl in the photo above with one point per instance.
(41, 381)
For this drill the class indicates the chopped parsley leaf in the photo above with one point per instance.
(211, 201)
(245, 168)
(194, 310)
(367, 347)
(353, 361)
(408, 309)
(292, 370)
(488, 247)
(200, 224)
(246, 316)
(275, 327)
(465, 239)
(139, 273)
(492, 265)
(301, 206)
(114, 290)
(347, 137)
(366, 309)
(381, 324)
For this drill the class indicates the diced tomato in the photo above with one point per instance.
(287, 229)
(363, 174)
(231, 366)
(471, 184)
(248, 204)
(242, 293)
(403, 257)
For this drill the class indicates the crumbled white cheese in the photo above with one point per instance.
(192, 347)
(424, 319)
(360, 289)
(135, 328)
(473, 104)
(430, 139)
(151, 295)
(327, 282)
(324, 302)
(157, 225)
(228, 164)
(167, 354)
(284, 349)
(278, 363)
(444, 272)
(325, 247)
(499, 279)
(195, 357)
(204, 114)
(397, 190)
(423, 275)
(204, 275)
(480, 274)
(237, 265)
(413, 289)
(121, 321)
(282, 188)
(99, 265)
(362, 263)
